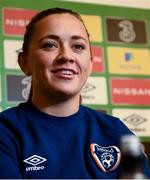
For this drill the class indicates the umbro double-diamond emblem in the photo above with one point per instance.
(34, 161)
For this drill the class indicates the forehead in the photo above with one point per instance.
(57, 23)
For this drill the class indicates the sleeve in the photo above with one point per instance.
(9, 153)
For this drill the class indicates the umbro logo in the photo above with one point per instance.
(88, 87)
(34, 160)
(135, 119)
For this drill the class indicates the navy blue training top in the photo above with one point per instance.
(37, 145)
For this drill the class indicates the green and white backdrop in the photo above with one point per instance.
(120, 80)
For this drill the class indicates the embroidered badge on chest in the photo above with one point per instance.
(107, 158)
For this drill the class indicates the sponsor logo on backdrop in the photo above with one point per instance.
(88, 88)
(134, 119)
(94, 27)
(15, 20)
(95, 91)
(138, 120)
(98, 59)
(18, 87)
(11, 49)
(128, 56)
(130, 91)
(27, 82)
(128, 60)
(126, 31)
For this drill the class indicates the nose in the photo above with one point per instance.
(65, 55)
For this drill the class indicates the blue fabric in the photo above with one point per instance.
(36, 145)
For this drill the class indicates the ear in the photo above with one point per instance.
(23, 63)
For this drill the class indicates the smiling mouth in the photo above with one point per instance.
(65, 73)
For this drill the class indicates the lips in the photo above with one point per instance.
(64, 72)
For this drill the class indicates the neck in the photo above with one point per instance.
(57, 106)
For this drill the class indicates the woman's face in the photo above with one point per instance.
(59, 58)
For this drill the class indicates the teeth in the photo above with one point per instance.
(67, 72)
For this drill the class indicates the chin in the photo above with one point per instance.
(67, 93)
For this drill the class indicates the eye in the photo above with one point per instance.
(79, 47)
(49, 45)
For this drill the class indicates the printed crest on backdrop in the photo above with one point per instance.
(107, 158)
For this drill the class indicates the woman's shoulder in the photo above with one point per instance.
(105, 121)
(99, 114)
(11, 111)
(13, 115)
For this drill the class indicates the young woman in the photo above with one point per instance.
(52, 135)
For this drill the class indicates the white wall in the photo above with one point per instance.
(144, 4)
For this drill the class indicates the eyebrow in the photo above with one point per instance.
(53, 36)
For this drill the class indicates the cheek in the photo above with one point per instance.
(39, 61)
(87, 65)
